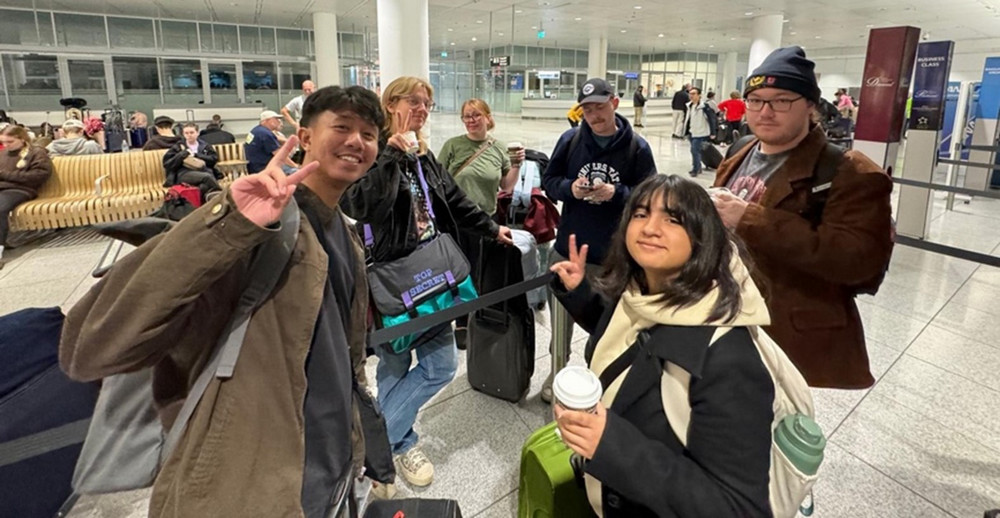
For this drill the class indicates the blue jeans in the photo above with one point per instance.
(696, 153)
(401, 391)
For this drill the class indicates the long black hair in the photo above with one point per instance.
(712, 249)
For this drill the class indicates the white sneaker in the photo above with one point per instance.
(416, 468)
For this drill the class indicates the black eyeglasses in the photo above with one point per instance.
(778, 105)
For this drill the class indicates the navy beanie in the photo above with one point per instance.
(787, 69)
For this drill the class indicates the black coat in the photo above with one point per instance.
(173, 160)
(681, 98)
(638, 100)
(644, 469)
(216, 136)
(382, 199)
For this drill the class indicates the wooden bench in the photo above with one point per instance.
(232, 161)
(89, 189)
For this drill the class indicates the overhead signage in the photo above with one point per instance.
(499, 61)
(549, 74)
(930, 81)
(631, 75)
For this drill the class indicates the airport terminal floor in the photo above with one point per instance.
(923, 442)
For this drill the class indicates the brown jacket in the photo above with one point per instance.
(164, 304)
(807, 272)
(29, 178)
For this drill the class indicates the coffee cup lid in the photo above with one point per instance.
(577, 387)
(514, 144)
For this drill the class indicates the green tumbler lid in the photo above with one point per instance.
(802, 441)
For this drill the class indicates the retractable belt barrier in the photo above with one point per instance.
(948, 188)
(416, 325)
(959, 253)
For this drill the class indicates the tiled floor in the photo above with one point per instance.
(924, 441)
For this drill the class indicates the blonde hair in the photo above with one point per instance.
(18, 132)
(480, 106)
(399, 88)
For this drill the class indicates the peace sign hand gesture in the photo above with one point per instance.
(571, 272)
(397, 140)
(263, 196)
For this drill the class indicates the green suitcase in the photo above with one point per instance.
(549, 487)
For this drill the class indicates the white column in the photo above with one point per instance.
(327, 55)
(597, 57)
(766, 37)
(728, 75)
(403, 40)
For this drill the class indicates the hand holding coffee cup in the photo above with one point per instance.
(516, 152)
(580, 416)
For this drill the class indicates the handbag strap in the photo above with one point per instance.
(482, 148)
(427, 191)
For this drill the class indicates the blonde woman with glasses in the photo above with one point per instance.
(408, 199)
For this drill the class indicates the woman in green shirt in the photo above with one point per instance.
(478, 162)
(481, 167)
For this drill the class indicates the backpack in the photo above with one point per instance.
(826, 170)
(789, 490)
(126, 444)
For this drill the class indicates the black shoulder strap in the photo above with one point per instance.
(819, 191)
(743, 142)
(633, 149)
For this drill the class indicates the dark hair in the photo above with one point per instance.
(191, 125)
(712, 249)
(693, 88)
(710, 95)
(355, 99)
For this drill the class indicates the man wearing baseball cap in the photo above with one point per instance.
(73, 143)
(592, 171)
(261, 143)
(165, 138)
(816, 220)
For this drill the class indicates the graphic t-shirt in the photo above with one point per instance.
(425, 229)
(259, 148)
(750, 180)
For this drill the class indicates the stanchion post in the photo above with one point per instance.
(560, 339)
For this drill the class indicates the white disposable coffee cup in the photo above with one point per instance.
(512, 150)
(413, 145)
(577, 388)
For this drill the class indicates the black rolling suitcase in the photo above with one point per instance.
(710, 155)
(413, 508)
(44, 416)
(501, 351)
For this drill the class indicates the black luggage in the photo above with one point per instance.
(413, 508)
(710, 155)
(501, 350)
(44, 416)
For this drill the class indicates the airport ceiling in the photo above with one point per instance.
(632, 25)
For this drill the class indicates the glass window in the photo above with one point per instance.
(80, 30)
(131, 33)
(87, 78)
(181, 75)
(259, 75)
(137, 82)
(32, 81)
(218, 37)
(20, 28)
(292, 42)
(568, 59)
(290, 77)
(179, 36)
(550, 58)
(582, 58)
(534, 57)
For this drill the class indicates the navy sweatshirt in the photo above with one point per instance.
(592, 223)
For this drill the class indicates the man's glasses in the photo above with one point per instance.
(778, 105)
(472, 117)
(415, 102)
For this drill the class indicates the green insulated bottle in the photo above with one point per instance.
(802, 441)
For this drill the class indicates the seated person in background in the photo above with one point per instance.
(192, 161)
(672, 263)
(45, 135)
(164, 137)
(262, 143)
(23, 170)
(214, 134)
(73, 143)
